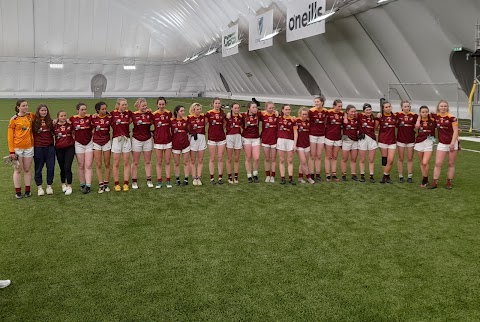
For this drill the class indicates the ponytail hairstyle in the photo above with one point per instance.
(161, 98)
(281, 111)
(404, 102)
(233, 104)
(336, 102)
(222, 112)
(37, 123)
(98, 106)
(383, 106)
(80, 104)
(177, 108)
(249, 104)
(321, 98)
(349, 107)
(191, 111)
(17, 105)
(365, 106)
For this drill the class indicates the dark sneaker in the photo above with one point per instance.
(255, 179)
(354, 178)
(292, 182)
(344, 178)
(401, 180)
(212, 181)
(449, 185)
(283, 181)
(250, 180)
(334, 178)
(86, 190)
(362, 179)
(372, 180)
(424, 185)
(178, 183)
(388, 180)
(185, 182)
(27, 194)
(434, 185)
(318, 179)
(329, 178)
(220, 181)
(18, 195)
(384, 179)
(410, 180)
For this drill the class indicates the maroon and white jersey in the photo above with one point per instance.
(350, 128)
(285, 127)
(180, 139)
(196, 124)
(63, 135)
(216, 122)
(44, 136)
(162, 127)
(101, 128)
(426, 129)
(445, 124)
(317, 121)
(366, 125)
(82, 127)
(333, 125)
(386, 129)
(406, 127)
(234, 124)
(303, 128)
(121, 123)
(142, 122)
(251, 129)
(269, 127)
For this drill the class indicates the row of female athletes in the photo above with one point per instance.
(37, 136)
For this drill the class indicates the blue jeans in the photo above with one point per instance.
(42, 156)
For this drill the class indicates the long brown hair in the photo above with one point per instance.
(37, 123)
(17, 105)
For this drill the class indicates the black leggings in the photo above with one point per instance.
(65, 160)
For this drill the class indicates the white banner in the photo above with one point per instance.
(259, 27)
(230, 38)
(299, 13)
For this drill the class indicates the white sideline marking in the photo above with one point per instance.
(462, 149)
(470, 138)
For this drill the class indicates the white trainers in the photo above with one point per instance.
(195, 182)
(169, 185)
(134, 185)
(267, 179)
(199, 182)
(149, 184)
(49, 190)
(106, 189)
(68, 192)
(64, 187)
(272, 179)
(311, 181)
(301, 180)
(40, 191)
(4, 283)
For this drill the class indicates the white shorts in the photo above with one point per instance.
(142, 146)
(387, 146)
(333, 143)
(317, 139)
(215, 143)
(424, 146)
(349, 145)
(367, 144)
(199, 144)
(306, 150)
(25, 153)
(252, 142)
(284, 144)
(186, 150)
(271, 146)
(80, 148)
(106, 147)
(405, 145)
(446, 147)
(121, 144)
(234, 141)
(163, 146)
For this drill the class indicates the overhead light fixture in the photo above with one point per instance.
(211, 51)
(382, 1)
(325, 15)
(273, 34)
(56, 65)
(194, 57)
(129, 67)
(235, 44)
(186, 59)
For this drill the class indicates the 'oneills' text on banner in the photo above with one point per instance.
(230, 39)
(299, 13)
(259, 27)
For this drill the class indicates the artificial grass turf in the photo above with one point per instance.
(332, 251)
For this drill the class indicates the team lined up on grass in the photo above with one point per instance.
(96, 137)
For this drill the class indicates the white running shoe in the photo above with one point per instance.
(272, 179)
(311, 181)
(68, 192)
(49, 190)
(195, 182)
(301, 180)
(40, 191)
(134, 185)
(106, 189)
(199, 182)
(64, 187)
(267, 179)
(169, 185)
(4, 283)
(100, 190)
(149, 184)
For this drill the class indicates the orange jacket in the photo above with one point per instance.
(20, 134)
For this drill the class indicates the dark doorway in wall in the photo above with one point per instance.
(463, 69)
(225, 83)
(98, 85)
(308, 80)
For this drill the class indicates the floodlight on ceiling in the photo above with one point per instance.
(194, 57)
(382, 1)
(325, 15)
(186, 59)
(211, 51)
(273, 34)
(129, 67)
(56, 65)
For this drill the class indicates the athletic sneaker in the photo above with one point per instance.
(267, 179)
(118, 188)
(86, 190)
(64, 187)
(134, 185)
(106, 189)
(311, 181)
(329, 178)
(125, 187)
(334, 178)
(292, 182)
(27, 194)
(220, 181)
(449, 185)
(212, 181)
(194, 181)
(372, 179)
(230, 180)
(149, 184)
(344, 178)
(169, 185)
(178, 183)
(101, 190)
(40, 191)
(354, 177)
(49, 190)
(69, 191)
(250, 179)
(4, 283)
(255, 179)
(272, 179)
(235, 180)
(401, 180)
(185, 182)
(18, 195)
(434, 185)
(199, 182)
(318, 179)
(410, 180)
(384, 179)
(362, 178)
(389, 180)
(159, 185)
(282, 181)
(424, 185)
(301, 180)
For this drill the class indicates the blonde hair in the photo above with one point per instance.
(118, 102)
(443, 101)
(301, 110)
(269, 103)
(139, 102)
(192, 108)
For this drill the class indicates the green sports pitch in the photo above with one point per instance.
(346, 251)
